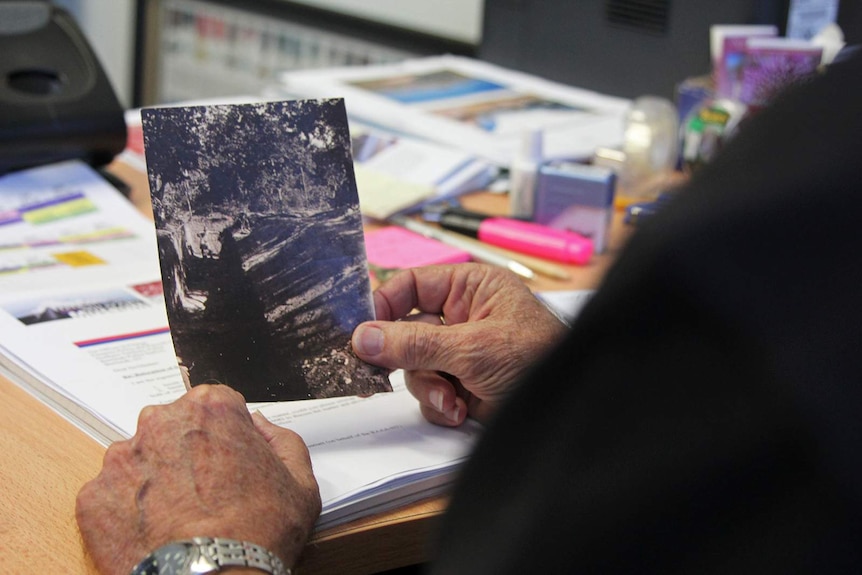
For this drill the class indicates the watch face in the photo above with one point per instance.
(147, 567)
(171, 559)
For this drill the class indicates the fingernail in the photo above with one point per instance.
(436, 397)
(454, 415)
(368, 340)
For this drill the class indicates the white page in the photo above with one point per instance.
(356, 444)
(370, 439)
(566, 304)
(417, 161)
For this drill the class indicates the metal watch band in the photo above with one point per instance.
(204, 555)
(233, 553)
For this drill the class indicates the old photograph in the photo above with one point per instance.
(261, 247)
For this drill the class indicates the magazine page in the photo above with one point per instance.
(105, 347)
(81, 307)
(65, 225)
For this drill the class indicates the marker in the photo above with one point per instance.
(478, 253)
(520, 236)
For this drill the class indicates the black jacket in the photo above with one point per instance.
(705, 413)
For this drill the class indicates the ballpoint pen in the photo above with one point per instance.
(537, 265)
(477, 252)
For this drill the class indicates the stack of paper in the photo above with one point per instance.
(397, 174)
(373, 454)
(470, 105)
(83, 327)
(566, 305)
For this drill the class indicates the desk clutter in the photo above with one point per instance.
(83, 327)
(423, 133)
(83, 321)
(568, 158)
(428, 130)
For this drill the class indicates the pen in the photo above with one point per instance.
(520, 236)
(479, 253)
(538, 265)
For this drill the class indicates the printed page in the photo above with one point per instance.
(81, 307)
(64, 225)
(362, 447)
(399, 174)
(105, 347)
(368, 453)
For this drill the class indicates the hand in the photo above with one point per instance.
(477, 330)
(201, 466)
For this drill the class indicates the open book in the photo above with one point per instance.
(83, 327)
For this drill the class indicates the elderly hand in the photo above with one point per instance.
(201, 466)
(477, 330)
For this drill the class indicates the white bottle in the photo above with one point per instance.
(523, 175)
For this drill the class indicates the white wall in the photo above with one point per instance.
(459, 20)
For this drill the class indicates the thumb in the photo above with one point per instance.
(401, 345)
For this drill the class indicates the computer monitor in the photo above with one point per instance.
(624, 48)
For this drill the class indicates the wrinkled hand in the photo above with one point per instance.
(201, 466)
(477, 330)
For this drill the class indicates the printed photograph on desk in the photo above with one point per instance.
(488, 105)
(469, 105)
(261, 247)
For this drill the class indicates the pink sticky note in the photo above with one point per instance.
(395, 247)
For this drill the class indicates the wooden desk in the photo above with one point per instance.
(46, 460)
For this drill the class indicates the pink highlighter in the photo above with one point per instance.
(520, 236)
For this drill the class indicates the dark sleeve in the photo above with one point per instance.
(704, 413)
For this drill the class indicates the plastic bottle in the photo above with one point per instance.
(523, 174)
(651, 149)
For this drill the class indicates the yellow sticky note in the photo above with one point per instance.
(381, 195)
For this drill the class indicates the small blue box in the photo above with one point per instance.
(576, 197)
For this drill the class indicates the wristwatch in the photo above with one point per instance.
(203, 555)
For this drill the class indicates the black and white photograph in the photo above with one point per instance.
(261, 247)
